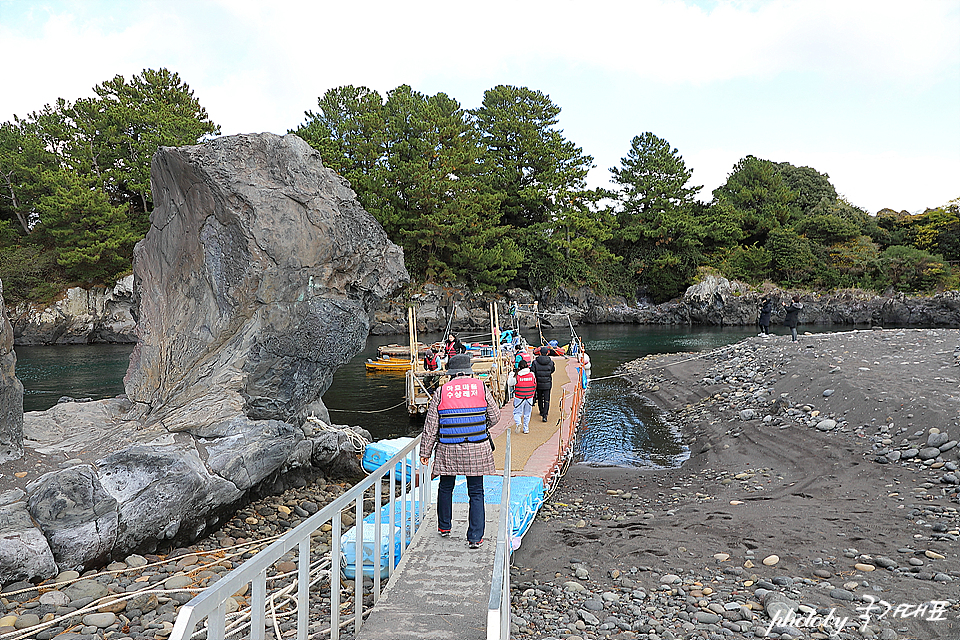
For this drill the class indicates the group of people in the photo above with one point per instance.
(791, 315)
(456, 429)
(531, 381)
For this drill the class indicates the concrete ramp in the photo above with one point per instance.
(441, 588)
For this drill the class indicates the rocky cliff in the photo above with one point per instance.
(11, 393)
(712, 301)
(80, 316)
(258, 278)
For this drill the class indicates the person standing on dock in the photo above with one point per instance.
(542, 369)
(453, 346)
(456, 427)
(523, 392)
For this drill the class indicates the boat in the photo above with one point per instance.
(385, 364)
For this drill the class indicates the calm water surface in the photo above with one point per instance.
(620, 428)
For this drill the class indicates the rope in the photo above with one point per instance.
(359, 442)
(371, 411)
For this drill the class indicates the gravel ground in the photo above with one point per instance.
(820, 501)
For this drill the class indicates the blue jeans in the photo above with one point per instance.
(476, 521)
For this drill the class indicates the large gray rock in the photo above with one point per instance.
(24, 552)
(258, 278)
(246, 451)
(81, 316)
(164, 492)
(11, 393)
(78, 517)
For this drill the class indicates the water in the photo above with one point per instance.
(78, 371)
(621, 428)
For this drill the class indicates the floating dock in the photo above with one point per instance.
(440, 588)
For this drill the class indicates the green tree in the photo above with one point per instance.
(749, 264)
(659, 233)
(856, 259)
(792, 258)
(434, 197)
(938, 230)
(154, 109)
(811, 186)
(91, 237)
(911, 269)
(531, 165)
(827, 229)
(757, 198)
(22, 160)
(349, 131)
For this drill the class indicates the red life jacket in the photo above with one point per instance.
(526, 385)
(463, 411)
(450, 348)
(430, 362)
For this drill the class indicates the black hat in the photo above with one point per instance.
(459, 363)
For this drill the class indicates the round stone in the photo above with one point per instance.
(85, 589)
(54, 599)
(862, 566)
(135, 561)
(26, 621)
(771, 560)
(99, 620)
(177, 582)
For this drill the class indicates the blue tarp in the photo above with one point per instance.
(526, 498)
(376, 454)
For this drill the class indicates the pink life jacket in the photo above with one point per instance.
(463, 411)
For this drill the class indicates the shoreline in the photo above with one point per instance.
(804, 486)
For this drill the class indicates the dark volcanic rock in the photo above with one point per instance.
(11, 393)
(257, 280)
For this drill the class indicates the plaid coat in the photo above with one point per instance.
(466, 458)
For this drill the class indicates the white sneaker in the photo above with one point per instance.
(526, 430)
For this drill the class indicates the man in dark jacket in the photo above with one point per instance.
(543, 369)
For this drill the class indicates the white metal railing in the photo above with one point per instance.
(498, 611)
(411, 502)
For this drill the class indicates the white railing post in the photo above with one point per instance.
(498, 609)
(211, 603)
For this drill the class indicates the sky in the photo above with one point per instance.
(866, 91)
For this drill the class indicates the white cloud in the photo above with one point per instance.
(257, 66)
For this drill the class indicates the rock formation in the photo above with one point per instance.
(258, 278)
(11, 393)
(81, 316)
(712, 301)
